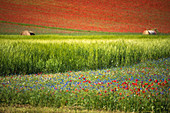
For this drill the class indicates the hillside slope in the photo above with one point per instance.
(95, 15)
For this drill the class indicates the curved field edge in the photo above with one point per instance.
(148, 89)
(16, 29)
(12, 28)
(119, 36)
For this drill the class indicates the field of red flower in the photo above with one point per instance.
(96, 15)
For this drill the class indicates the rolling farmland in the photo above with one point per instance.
(86, 56)
(106, 16)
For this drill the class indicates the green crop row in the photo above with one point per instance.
(50, 55)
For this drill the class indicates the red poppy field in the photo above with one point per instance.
(97, 15)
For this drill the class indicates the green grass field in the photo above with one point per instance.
(52, 54)
(128, 73)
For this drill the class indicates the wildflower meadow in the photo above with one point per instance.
(123, 73)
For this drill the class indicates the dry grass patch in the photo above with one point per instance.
(30, 109)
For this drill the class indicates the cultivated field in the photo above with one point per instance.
(64, 53)
(105, 15)
(109, 73)
(86, 56)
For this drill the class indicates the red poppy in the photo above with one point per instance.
(115, 89)
(152, 84)
(114, 81)
(150, 79)
(124, 83)
(135, 84)
(165, 82)
(127, 88)
(149, 86)
(146, 83)
(156, 81)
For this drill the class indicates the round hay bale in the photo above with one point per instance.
(152, 32)
(149, 32)
(145, 32)
(25, 32)
(31, 33)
